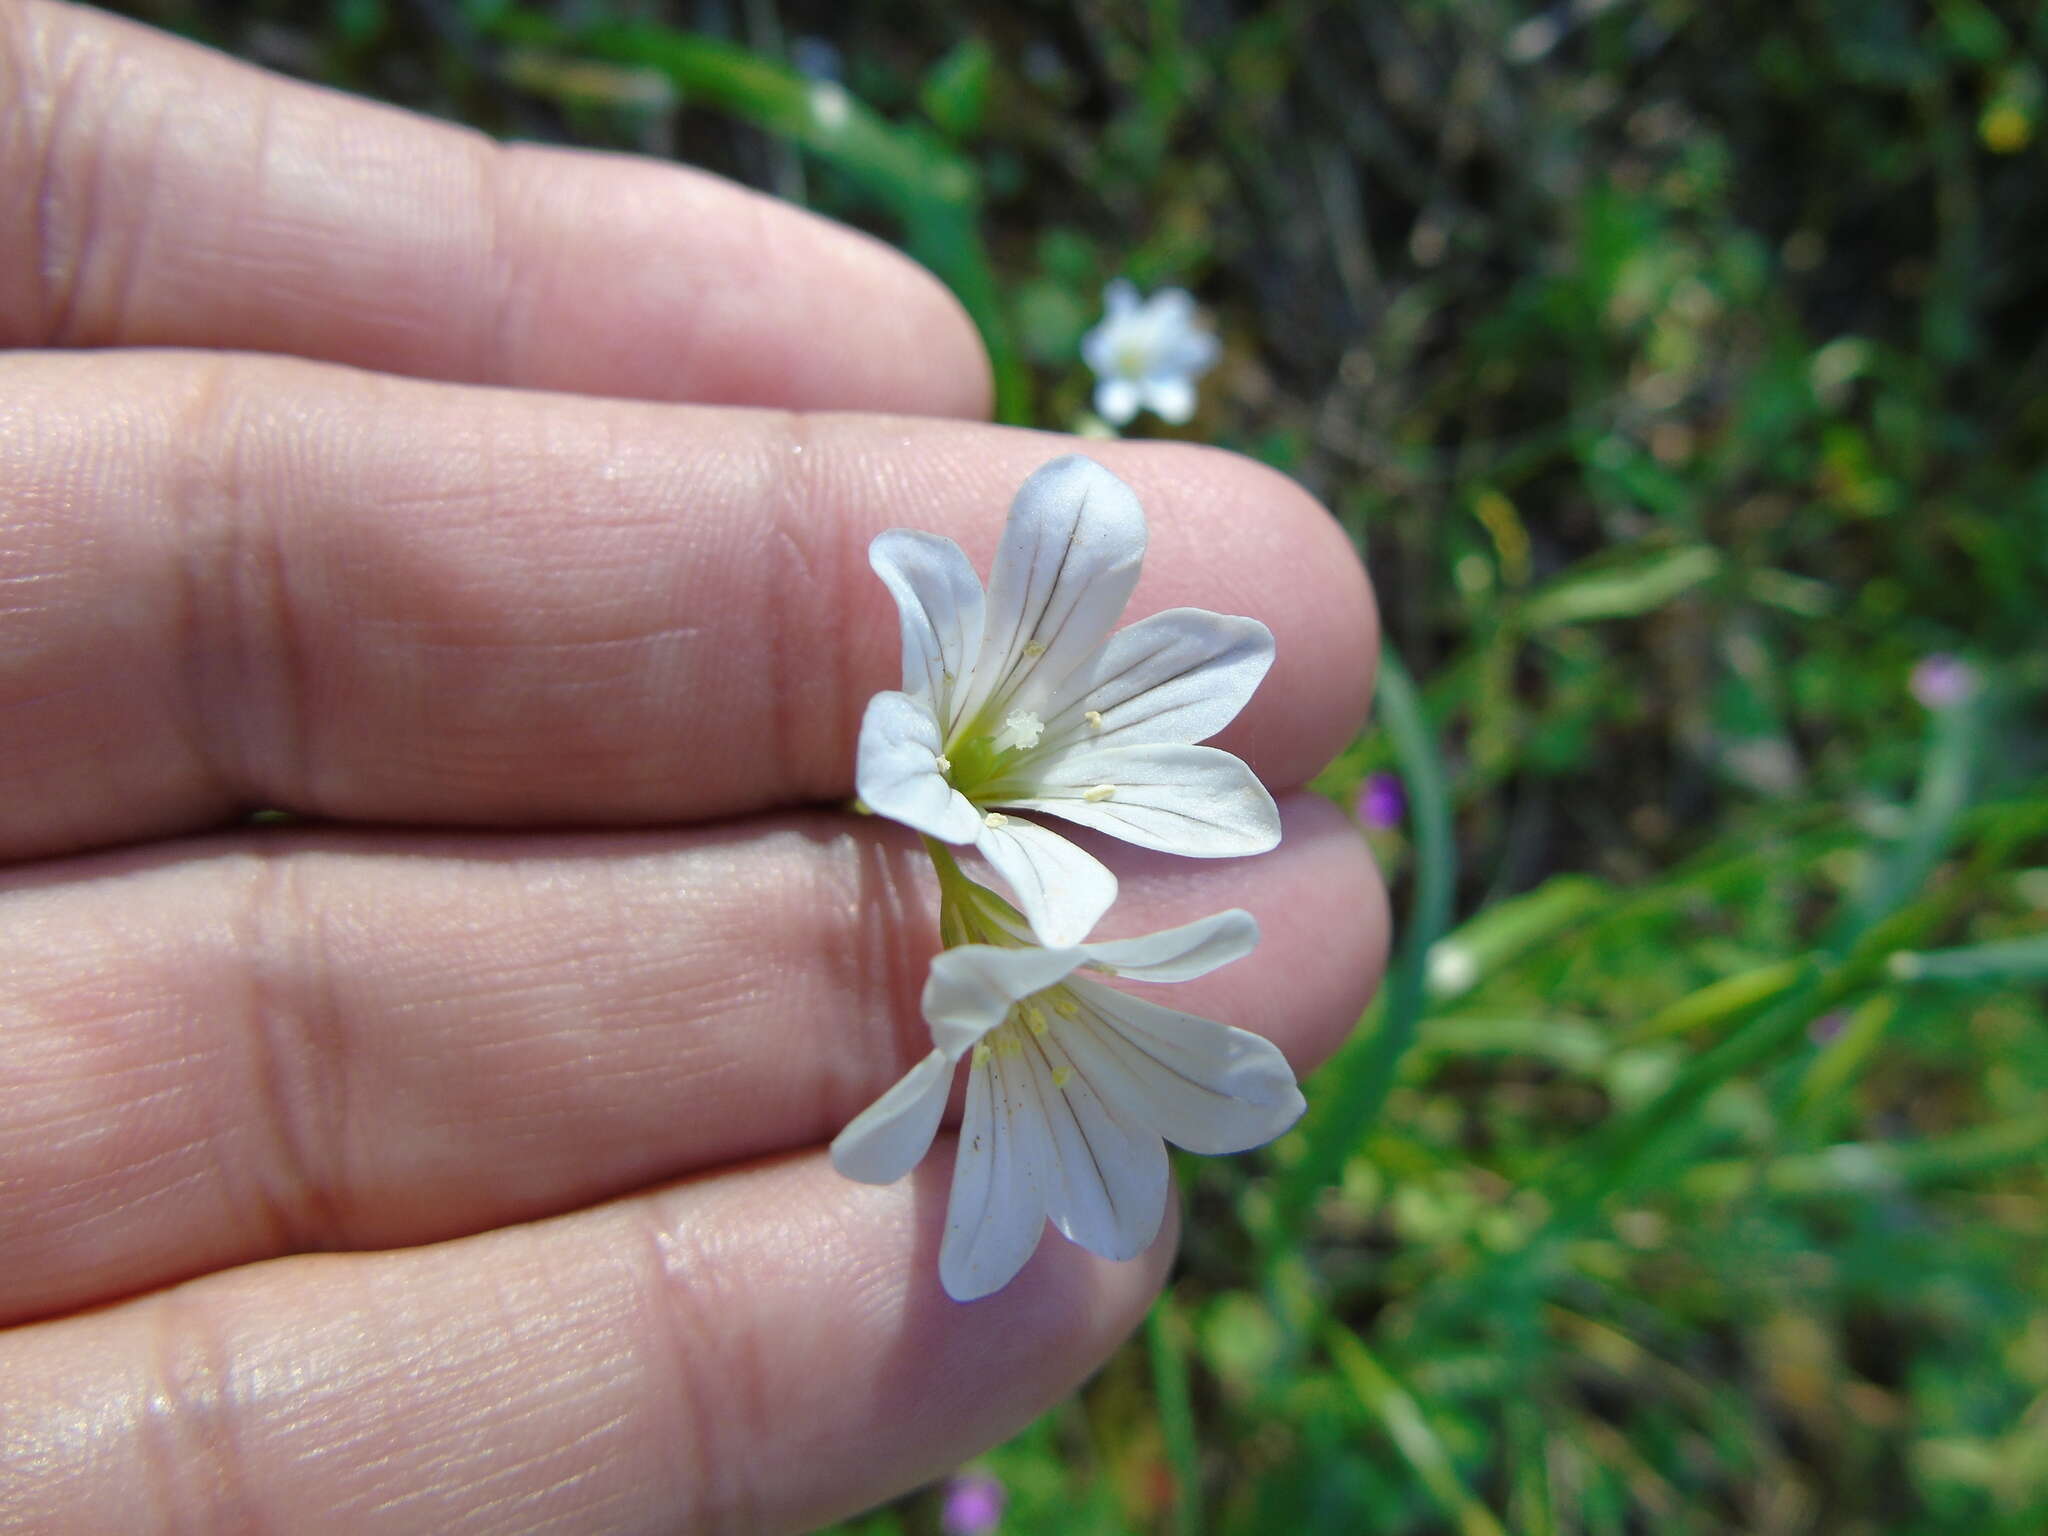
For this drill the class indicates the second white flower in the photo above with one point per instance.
(1073, 1090)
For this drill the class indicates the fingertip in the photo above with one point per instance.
(962, 382)
(709, 291)
(1329, 928)
(1322, 915)
(951, 1378)
(1263, 547)
(1326, 637)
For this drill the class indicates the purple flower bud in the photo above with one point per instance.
(1828, 1027)
(1382, 803)
(1942, 681)
(973, 1504)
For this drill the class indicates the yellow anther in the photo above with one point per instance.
(1009, 1043)
(1098, 794)
(1066, 1008)
(1093, 717)
(1061, 1076)
(1034, 648)
(982, 1054)
(1033, 1019)
(943, 763)
(995, 819)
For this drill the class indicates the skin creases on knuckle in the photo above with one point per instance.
(805, 563)
(32, 279)
(877, 960)
(294, 1036)
(705, 1359)
(245, 680)
(57, 88)
(187, 1424)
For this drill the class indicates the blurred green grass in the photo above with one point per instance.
(1681, 370)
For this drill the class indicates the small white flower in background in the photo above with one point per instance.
(1073, 1091)
(1147, 354)
(1021, 699)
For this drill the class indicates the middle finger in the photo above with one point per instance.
(241, 581)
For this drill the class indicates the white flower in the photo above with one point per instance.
(1072, 1088)
(1022, 700)
(1147, 356)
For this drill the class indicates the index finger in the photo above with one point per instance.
(155, 193)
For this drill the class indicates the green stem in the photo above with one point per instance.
(969, 912)
(1170, 1388)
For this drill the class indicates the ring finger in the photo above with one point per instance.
(255, 1045)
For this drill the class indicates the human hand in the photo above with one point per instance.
(454, 1159)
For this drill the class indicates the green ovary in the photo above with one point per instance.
(979, 755)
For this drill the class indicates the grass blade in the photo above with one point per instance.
(1166, 1344)
(1411, 1431)
(1346, 1113)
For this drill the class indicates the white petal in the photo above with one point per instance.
(939, 599)
(1068, 561)
(1061, 891)
(1097, 351)
(1169, 396)
(891, 1136)
(1116, 399)
(1177, 677)
(896, 771)
(1100, 346)
(1169, 312)
(1109, 1192)
(996, 1214)
(1120, 299)
(1196, 801)
(1188, 354)
(1200, 1084)
(1180, 954)
(972, 986)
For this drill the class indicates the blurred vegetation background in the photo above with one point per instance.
(1682, 370)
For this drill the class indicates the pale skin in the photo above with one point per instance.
(456, 1161)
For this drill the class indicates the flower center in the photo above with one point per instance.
(1027, 1021)
(978, 757)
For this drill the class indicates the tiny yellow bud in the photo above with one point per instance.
(1093, 717)
(2005, 129)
